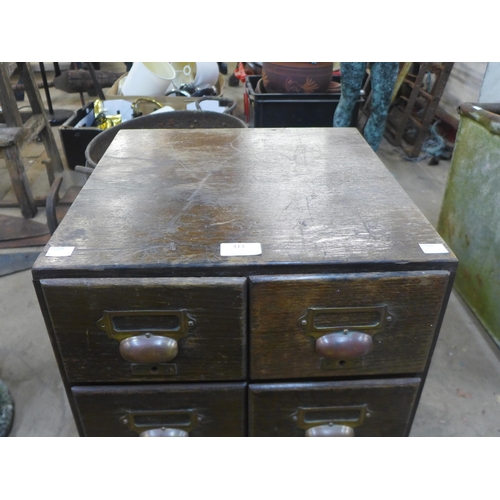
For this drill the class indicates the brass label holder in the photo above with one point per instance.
(351, 416)
(185, 420)
(185, 324)
(308, 321)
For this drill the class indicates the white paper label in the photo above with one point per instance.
(433, 248)
(59, 251)
(235, 249)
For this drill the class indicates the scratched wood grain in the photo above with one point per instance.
(161, 202)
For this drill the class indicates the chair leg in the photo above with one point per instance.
(20, 183)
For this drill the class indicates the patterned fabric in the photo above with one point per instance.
(383, 79)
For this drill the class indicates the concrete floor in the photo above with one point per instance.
(462, 392)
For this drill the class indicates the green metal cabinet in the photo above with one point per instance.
(470, 215)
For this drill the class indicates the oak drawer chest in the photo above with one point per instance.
(243, 282)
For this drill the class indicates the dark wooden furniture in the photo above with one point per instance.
(416, 104)
(329, 331)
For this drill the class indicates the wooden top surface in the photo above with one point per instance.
(160, 202)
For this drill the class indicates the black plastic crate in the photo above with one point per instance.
(291, 110)
(75, 140)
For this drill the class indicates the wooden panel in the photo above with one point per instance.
(160, 202)
(280, 346)
(201, 410)
(214, 348)
(10, 110)
(371, 408)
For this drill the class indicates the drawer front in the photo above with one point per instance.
(332, 409)
(151, 329)
(343, 325)
(178, 410)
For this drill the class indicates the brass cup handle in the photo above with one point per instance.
(344, 345)
(148, 349)
(330, 430)
(164, 432)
